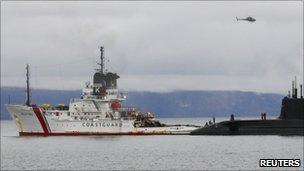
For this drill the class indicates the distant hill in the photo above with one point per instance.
(173, 104)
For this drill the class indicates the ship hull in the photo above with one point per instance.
(290, 122)
(96, 133)
(32, 121)
(254, 127)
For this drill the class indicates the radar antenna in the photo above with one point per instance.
(101, 70)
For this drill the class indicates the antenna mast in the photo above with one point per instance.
(28, 101)
(101, 60)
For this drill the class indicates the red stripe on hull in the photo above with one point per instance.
(87, 133)
(41, 120)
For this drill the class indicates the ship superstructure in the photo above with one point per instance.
(98, 111)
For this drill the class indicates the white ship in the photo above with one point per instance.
(98, 111)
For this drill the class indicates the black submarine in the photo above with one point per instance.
(289, 122)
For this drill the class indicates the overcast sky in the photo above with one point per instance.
(154, 46)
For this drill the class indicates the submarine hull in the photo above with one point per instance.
(253, 127)
(290, 122)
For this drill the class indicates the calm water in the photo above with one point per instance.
(144, 152)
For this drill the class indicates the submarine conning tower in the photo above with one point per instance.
(103, 80)
(292, 105)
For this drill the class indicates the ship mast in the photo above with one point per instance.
(28, 101)
(302, 91)
(101, 70)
